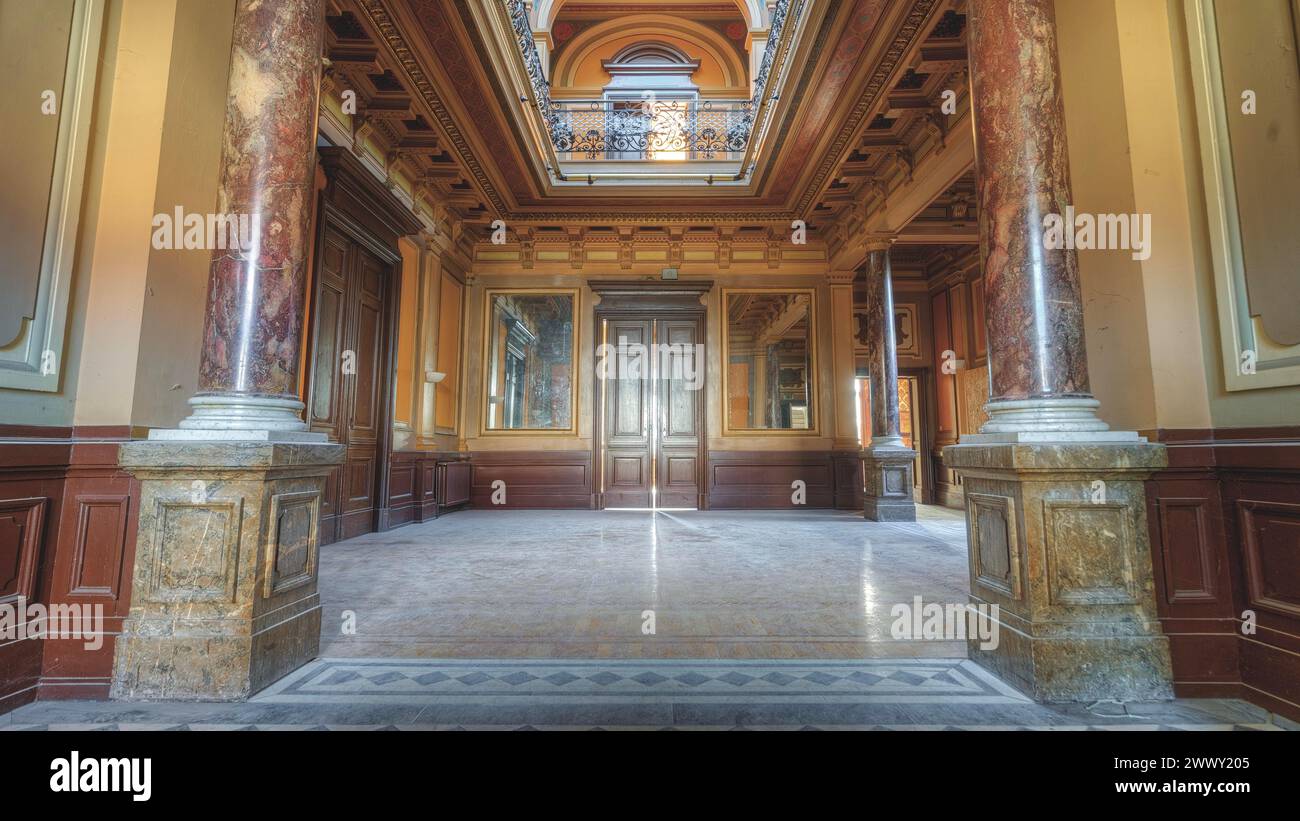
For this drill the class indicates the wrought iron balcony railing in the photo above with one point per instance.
(650, 130)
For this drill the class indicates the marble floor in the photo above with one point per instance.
(538, 620)
(582, 584)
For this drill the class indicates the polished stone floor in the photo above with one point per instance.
(582, 584)
(534, 620)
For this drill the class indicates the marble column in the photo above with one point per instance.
(1038, 363)
(882, 346)
(887, 463)
(248, 375)
(224, 597)
(1060, 559)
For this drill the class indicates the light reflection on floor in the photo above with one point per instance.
(577, 584)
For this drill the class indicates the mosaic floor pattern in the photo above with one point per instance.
(641, 694)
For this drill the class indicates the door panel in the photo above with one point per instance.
(349, 356)
(328, 341)
(329, 332)
(359, 493)
(652, 415)
(627, 418)
(369, 347)
(680, 391)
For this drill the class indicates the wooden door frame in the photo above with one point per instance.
(633, 299)
(355, 203)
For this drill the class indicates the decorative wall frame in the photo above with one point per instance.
(1250, 359)
(33, 360)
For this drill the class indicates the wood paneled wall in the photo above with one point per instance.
(1225, 536)
(534, 479)
(67, 536)
(765, 479)
(735, 479)
(423, 485)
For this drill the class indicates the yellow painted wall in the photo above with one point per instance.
(1134, 148)
(189, 169)
(588, 74)
(408, 318)
(1153, 332)
(136, 313)
(451, 360)
(1112, 281)
(115, 261)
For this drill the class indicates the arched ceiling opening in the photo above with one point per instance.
(750, 10)
(578, 71)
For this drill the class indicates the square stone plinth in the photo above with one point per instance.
(1058, 542)
(887, 493)
(224, 597)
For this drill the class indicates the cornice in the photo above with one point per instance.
(383, 22)
(903, 42)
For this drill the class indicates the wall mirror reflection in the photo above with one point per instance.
(770, 368)
(530, 360)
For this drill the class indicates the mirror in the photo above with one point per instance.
(769, 372)
(530, 366)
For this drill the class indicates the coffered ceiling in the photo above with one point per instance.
(860, 106)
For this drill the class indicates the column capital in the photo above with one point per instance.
(879, 242)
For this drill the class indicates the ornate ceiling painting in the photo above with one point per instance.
(850, 121)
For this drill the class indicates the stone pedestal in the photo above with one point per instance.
(224, 597)
(887, 494)
(1058, 541)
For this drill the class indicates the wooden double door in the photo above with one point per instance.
(651, 424)
(349, 377)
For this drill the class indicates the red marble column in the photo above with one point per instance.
(1034, 313)
(252, 331)
(882, 346)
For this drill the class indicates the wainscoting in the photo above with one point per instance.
(1225, 535)
(534, 479)
(423, 485)
(736, 479)
(764, 479)
(68, 520)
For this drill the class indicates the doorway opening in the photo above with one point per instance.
(649, 400)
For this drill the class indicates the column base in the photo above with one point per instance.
(1060, 417)
(1076, 668)
(224, 597)
(215, 414)
(1059, 544)
(887, 493)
